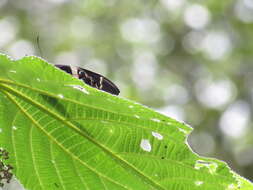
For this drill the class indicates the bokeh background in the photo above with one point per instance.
(191, 60)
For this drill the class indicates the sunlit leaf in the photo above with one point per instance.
(63, 134)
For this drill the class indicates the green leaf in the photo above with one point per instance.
(63, 134)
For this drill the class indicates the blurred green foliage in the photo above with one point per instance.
(191, 60)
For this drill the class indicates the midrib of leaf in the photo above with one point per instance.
(123, 162)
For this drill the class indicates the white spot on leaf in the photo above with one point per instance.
(155, 119)
(137, 116)
(79, 88)
(38, 79)
(1, 130)
(182, 130)
(14, 127)
(211, 166)
(12, 71)
(198, 183)
(157, 135)
(131, 106)
(109, 99)
(60, 96)
(111, 130)
(145, 145)
(232, 187)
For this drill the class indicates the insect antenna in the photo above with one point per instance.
(38, 44)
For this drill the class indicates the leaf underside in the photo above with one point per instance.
(63, 134)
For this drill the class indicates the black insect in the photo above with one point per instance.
(93, 79)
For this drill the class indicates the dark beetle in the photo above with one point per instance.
(93, 79)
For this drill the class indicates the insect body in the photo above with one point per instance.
(93, 79)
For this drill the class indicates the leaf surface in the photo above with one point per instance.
(63, 134)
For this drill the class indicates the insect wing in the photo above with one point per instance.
(98, 81)
(93, 79)
(65, 68)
